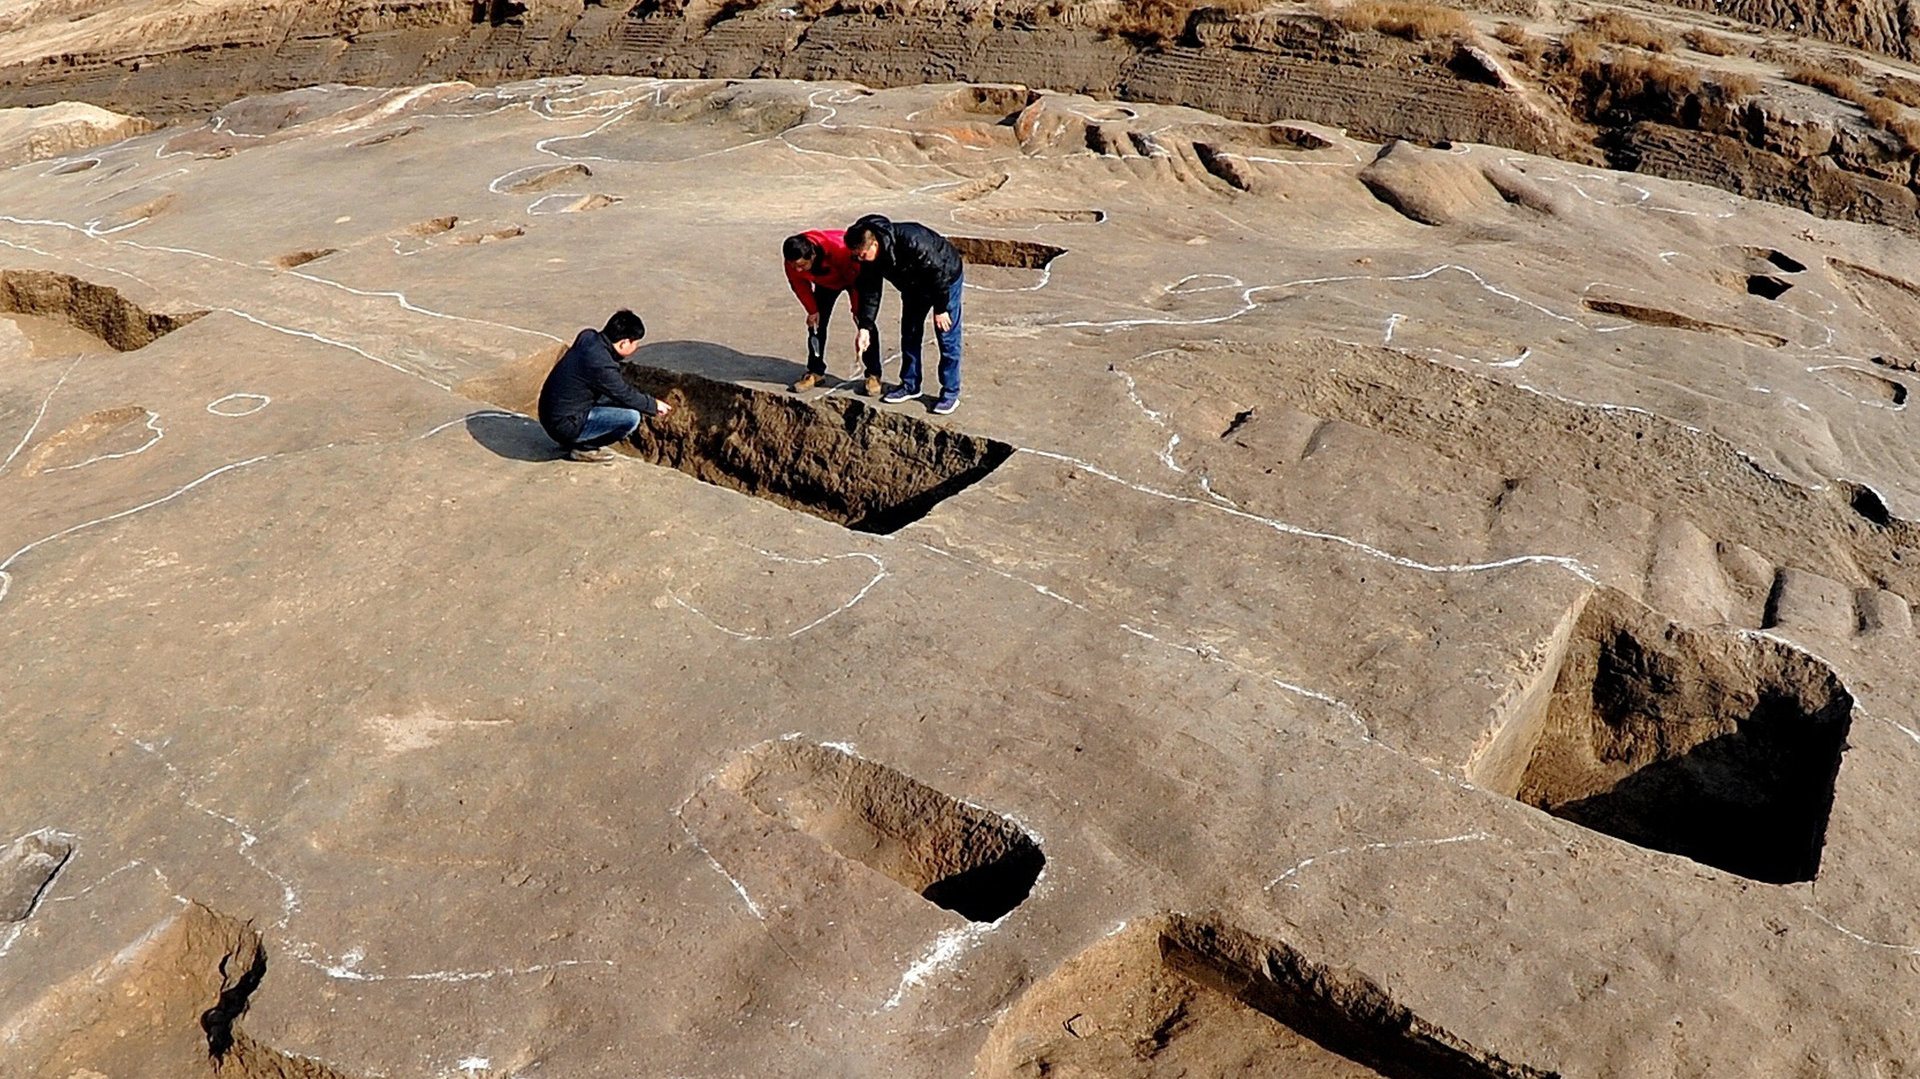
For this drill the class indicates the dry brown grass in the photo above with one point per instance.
(1826, 80)
(1905, 91)
(1159, 23)
(1737, 85)
(1845, 84)
(1414, 20)
(1525, 47)
(1712, 44)
(1623, 29)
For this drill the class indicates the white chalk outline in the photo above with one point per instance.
(880, 573)
(153, 424)
(260, 397)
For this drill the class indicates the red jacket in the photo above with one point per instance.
(835, 269)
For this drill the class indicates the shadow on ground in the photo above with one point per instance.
(718, 362)
(517, 438)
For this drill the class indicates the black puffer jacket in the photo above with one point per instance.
(919, 261)
(586, 376)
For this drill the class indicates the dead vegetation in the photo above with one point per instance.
(1844, 82)
(1710, 43)
(1623, 29)
(1414, 20)
(1160, 23)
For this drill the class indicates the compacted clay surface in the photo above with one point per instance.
(1378, 609)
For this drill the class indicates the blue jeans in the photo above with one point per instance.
(913, 329)
(606, 425)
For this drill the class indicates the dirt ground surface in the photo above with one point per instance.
(1377, 610)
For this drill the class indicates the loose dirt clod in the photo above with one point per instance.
(975, 863)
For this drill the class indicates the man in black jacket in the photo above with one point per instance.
(928, 272)
(586, 403)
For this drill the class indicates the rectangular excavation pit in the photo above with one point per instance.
(1340, 1010)
(956, 856)
(1713, 745)
(837, 458)
(96, 309)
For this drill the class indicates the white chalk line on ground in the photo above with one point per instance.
(35, 425)
(880, 574)
(6, 579)
(263, 399)
(45, 893)
(1286, 876)
(153, 425)
(345, 968)
(1573, 566)
(399, 298)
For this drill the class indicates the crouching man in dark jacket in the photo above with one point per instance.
(586, 403)
(928, 272)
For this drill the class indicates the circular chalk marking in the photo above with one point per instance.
(214, 406)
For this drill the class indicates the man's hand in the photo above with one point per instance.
(813, 321)
(860, 342)
(943, 322)
(661, 408)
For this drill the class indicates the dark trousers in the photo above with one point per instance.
(913, 327)
(817, 337)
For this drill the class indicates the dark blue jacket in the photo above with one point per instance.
(919, 261)
(588, 375)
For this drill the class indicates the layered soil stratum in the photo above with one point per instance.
(1380, 609)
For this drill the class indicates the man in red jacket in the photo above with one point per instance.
(819, 268)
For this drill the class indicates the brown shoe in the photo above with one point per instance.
(871, 388)
(593, 457)
(807, 381)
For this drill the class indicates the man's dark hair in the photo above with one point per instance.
(624, 326)
(800, 248)
(870, 227)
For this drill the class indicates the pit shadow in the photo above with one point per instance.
(722, 363)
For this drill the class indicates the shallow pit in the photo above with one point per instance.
(1013, 254)
(956, 856)
(172, 1003)
(1779, 259)
(1026, 216)
(1656, 316)
(1709, 744)
(1766, 286)
(838, 458)
(295, 259)
(547, 179)
(1174, 996)
(97, 309)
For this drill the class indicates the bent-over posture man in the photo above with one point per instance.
(586, 403)
(819, 269)
(928, 272)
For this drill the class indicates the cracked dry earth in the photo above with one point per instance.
(1378, 611)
